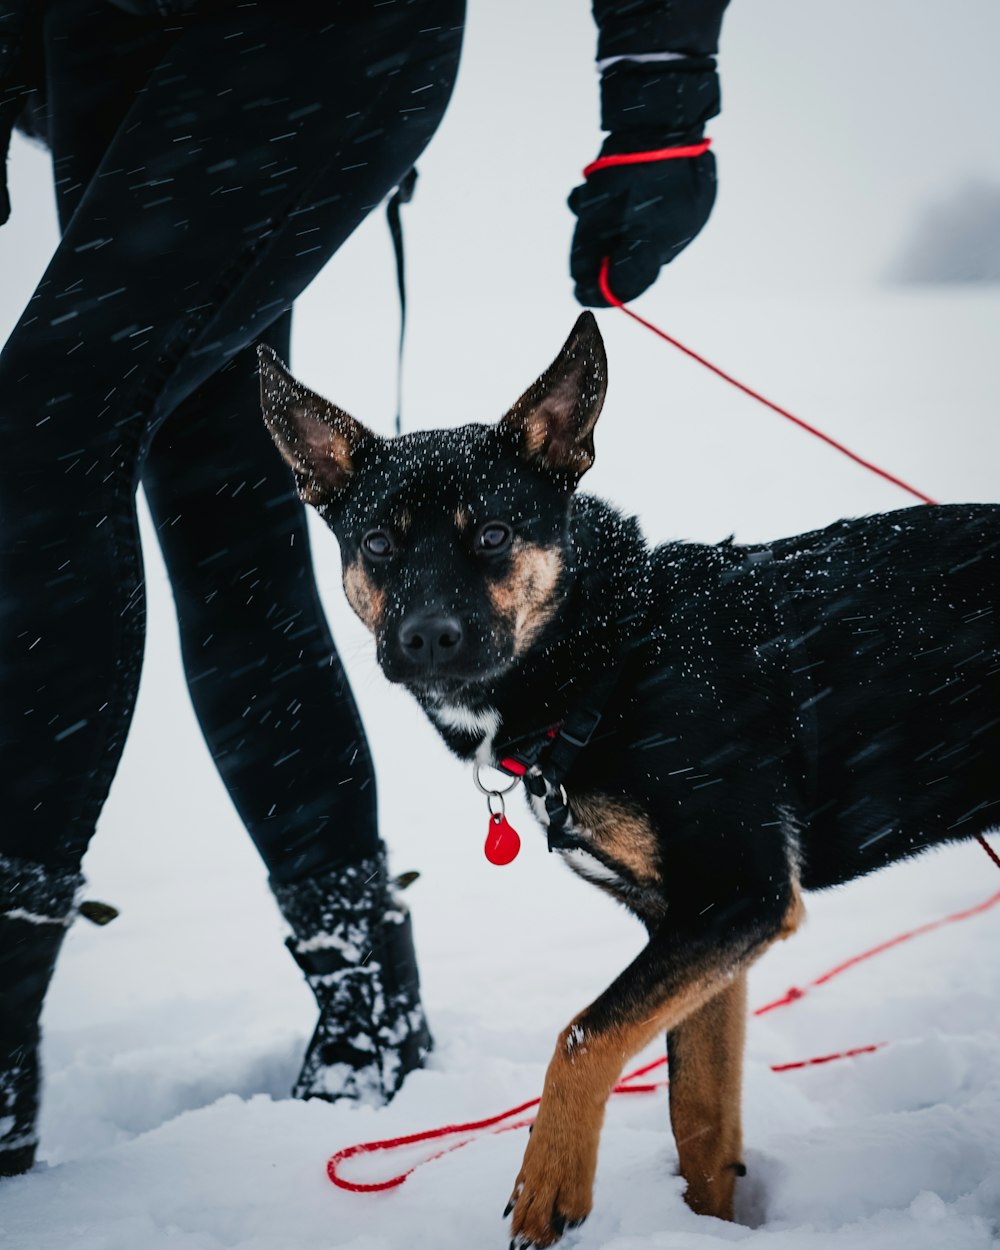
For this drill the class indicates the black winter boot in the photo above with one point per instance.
(36, 907)
(353, 940)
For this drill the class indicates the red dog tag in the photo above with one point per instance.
(502, 842)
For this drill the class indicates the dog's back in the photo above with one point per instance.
(863, 664)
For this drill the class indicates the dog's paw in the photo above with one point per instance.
(553, 1192)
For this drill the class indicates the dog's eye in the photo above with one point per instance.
(377, 544)
(493, 537)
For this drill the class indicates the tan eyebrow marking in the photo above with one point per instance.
(526, 597)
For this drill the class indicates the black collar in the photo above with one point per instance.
(543, 757)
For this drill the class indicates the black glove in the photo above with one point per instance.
(642, 215)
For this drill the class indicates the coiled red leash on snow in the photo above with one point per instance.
(629, 1083)
(469, 1132)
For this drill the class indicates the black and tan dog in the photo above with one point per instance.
(705, 729)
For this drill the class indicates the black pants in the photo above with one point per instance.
(206, 168)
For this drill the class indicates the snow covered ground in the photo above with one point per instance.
(173, 1035)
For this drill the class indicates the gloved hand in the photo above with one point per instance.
(641, 216)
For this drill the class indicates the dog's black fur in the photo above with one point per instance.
(783, 715)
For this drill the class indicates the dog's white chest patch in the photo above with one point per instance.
(477, 722)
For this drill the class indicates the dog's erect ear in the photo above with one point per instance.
(554, 419)
(317, 439)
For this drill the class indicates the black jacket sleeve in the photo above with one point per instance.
(657, 102)
(634, 27)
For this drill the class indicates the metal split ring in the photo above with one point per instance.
(488, 790)
(501, 811)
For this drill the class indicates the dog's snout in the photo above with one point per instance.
(431, 639)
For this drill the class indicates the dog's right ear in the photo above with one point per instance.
(318, 440)
(553, 421)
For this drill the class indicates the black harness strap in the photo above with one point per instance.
(544, 757)
(402, 195)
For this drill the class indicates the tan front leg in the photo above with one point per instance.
(554, 1188)
(706, 1076)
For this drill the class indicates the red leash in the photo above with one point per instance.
(627, 1085)
(613, 299)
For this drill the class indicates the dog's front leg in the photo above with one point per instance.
(706, 1076)
(654, 994)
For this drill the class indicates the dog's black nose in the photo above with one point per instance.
(431, 639)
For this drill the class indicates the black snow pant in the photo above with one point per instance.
(207, 167)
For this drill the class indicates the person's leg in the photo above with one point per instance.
(172, 262)
(351, 935)
(39, 892)
(187, 243)
(37, 904)
(279, 718)
(232, 531)
(269, 690)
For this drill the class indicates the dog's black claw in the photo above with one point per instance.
(739, 1168)
(508, 1208)
(559, 1223)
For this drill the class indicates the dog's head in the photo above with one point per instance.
(455, 543)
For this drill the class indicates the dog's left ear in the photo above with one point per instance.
(318, 440)
(553, 421)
